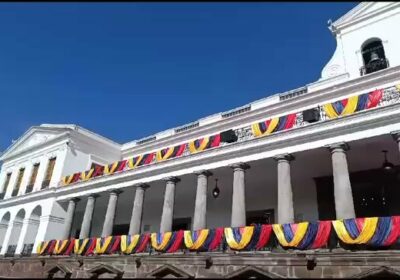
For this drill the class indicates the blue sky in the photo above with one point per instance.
(129, 70)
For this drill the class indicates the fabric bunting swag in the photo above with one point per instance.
(170, 152)
(376, 232)
(107, 245)
(248, 238)
(353, 104)
(85, 247)
(204, 239)
(303, 235)
(131, 244)
(205, 143)
(273, 125)
(140, 160)
(71, 178)
(115, 167)
(46, 247)
(64, 247)
(168, 242)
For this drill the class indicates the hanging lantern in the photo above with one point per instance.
(387, 166)
(216, 191)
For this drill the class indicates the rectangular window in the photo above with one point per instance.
(7, 181)
(32, 180)
(49, 173)
(19, 181)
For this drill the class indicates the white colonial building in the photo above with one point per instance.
(314, 153)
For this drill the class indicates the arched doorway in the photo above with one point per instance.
(4, 223)
(15, 232)
(31, 231)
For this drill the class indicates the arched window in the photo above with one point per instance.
(373, 55)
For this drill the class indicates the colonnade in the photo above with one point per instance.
(285, 210)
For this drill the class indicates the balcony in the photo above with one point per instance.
(374, 66)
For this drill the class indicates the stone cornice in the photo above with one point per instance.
(292, 141)
(363, 83)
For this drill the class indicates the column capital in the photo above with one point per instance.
(75, 199)
(203, 172)
(284, 157)
(396, 135)
(116, 191)
(93, 195)
(142, 185)
(172, 179)
(338, 147)
(240, 165)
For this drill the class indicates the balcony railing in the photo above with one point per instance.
(27, 250)
(11, 251)
(374, 66)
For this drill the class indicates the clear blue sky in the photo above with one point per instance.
(128, 70)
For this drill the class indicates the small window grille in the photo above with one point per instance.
(146, 140)
(237, 111)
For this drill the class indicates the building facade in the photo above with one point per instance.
(299, 184)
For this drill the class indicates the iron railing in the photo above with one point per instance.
(10, 251)
(27, 250)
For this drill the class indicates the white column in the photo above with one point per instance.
(25, 179)
(285, 191)
(137, 211)
(344, 204)
(7, 236)
(238, 215)
(58, 168)
(200, 208)
(22, 236)
(110, 214)
(11, 184)
(167, 215)
(44, 162)
(49, 228)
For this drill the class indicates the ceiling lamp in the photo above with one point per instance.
(387, 166)
(216, 191)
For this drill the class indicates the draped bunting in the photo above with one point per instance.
(205, 143)
(353, 104)
(64, 247)
(46, 247)
(273, 125)
(85, 246)
(303, 235)
(107, 245)
(204, 239)
(71, 178)
(114, 167)
(376, 232)
(168, 242)
(86, 175)
(131, 244)
(170, 152)
(140, 160)
(248, 238)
